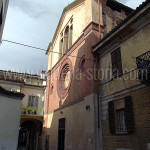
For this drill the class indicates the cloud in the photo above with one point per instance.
(34, 8)
(33, 22)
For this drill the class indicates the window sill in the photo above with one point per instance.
(122, 133)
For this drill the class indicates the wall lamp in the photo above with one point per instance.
(61, 112)
(87, 107)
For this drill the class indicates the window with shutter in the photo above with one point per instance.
(112, 126)
(33, 101)
(121, 120)
(129, 114)
(29, 101)
(116, 63)
(36, 101)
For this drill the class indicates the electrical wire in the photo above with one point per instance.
(41, 49)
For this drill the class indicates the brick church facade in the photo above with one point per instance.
(71, 119)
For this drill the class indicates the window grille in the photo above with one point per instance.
(121, 120)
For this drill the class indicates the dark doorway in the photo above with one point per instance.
(61, 134)
(28, 136)
(47, 142)
(23, 138)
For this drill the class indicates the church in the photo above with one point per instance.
(72, 112)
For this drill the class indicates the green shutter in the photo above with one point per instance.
(111, 110)
(36, 101)
(129, 114)
(116, 62)
(29, 101)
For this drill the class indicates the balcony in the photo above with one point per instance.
(143, 66)
(32, 110)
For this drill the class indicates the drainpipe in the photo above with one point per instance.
(99, 123)
(97, 105)
(97, 90)
(99, 19)
(99, 116)
(47, 100)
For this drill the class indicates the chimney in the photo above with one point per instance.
(43, 74)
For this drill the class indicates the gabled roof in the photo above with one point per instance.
(113, 4)
(67, 8)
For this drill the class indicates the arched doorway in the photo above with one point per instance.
(29, 134)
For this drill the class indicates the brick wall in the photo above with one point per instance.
(82, 85)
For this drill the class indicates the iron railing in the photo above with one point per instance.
(143, 66)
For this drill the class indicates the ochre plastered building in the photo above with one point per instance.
(71, 114)
(124, 61)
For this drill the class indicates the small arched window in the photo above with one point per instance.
(61, 48)
(67, 39)
(71, 34)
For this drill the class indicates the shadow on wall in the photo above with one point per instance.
(65, 125)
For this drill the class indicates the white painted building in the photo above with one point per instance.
(10, 114)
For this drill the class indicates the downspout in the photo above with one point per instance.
(97, 68)
(99, 124)
(97, 106)
(99, 18)
(47, 100)
(99, 116)
(97, 91)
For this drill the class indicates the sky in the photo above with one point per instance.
(33, 22)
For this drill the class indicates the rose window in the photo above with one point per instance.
(64, 79)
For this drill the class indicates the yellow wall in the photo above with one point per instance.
(134, 46)
(82, 16)
(35, 91)
(80, 129)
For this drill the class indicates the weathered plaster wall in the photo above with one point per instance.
(11, 85)
(81, 18)
(134, 46)
(80, 132)
(33, 91)
(10, 110)
(127, 85)
(83, 14)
